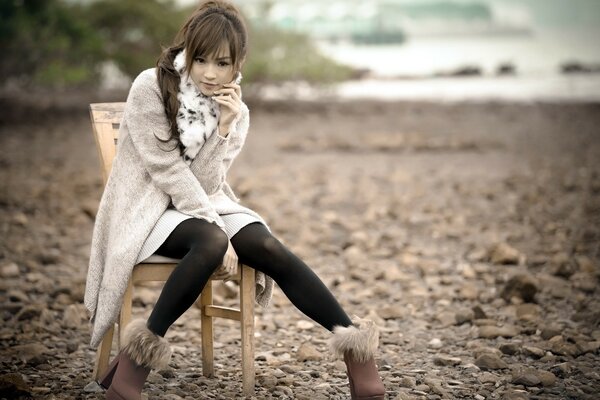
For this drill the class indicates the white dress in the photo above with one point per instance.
(169, 220)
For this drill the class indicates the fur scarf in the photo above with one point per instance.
(198, 114)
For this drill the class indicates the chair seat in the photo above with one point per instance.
(156, 259)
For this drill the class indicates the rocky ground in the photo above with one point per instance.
(469, 232)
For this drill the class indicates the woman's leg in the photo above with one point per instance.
(257, 248)
(201, 247)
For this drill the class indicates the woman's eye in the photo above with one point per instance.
(224, 64)
(199, 59)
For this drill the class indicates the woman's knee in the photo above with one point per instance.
(210, 243)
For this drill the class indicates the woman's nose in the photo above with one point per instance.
(209, 72)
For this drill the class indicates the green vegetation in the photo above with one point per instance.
(60, 44)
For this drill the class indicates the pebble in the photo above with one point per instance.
(503, 253)
(10, 270)
(489, 331)
(446, 360)
(521, 285)
(490, 361)
(306, 351)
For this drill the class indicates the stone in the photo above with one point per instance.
(563, 266)
(305, 325)
(464, 315)
(446, 360)
(93, 387)
(446, 318)
(10, 270)
(306, 351)
(408, 382)
(391, 312)
(490, 361)
(13, 385)
(478, 313)
(521, 285)
(72, 317)
(527, 310)
(503, 253)
(549, 332)
(31, 353)
(487, 377)
(509, 348)
(534, 352)
(515, 395)
(29, 312)
(435, 343)
(488, 331)
(533, 377)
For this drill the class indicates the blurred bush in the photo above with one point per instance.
(59, 43)
(47, 42)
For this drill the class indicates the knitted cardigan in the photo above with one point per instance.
(143, 181)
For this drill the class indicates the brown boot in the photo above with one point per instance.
(142, 351)
(357, 345)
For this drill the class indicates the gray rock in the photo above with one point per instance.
(93, 387)
(446, 360)
(29, 312)
(464, 315)
(488, 331)
(533, 377)
(527, 311)
(490, 361)
(503, 253)
(534, 352)
(479, 313)
(306, 351)
(435, 343)
(14, 386)
(10, 270)
(391, 312)
(31, 353)
(521, 285)
(509, 348)
(408, 382)
(72, 317)
(549, 332)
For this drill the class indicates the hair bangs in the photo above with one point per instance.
(210, 34)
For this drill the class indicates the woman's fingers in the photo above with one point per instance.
(235, 94)
(236, 87)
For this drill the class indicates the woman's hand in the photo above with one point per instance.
(229, 266)
(230, 99)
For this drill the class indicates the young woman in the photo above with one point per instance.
(174, 201)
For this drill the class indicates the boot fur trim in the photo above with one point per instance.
(145, 347)
(361, 339)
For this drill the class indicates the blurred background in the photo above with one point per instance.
(389, 49)
(436, 162)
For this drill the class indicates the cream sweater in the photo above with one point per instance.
(143, 181)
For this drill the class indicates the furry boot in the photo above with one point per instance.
(142, 351)
(357, 345)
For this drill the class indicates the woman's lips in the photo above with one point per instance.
(209, 86)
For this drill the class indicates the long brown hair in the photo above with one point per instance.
(210, 25)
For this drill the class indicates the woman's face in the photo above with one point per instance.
(212, 71)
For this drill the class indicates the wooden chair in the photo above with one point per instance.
(106, 118)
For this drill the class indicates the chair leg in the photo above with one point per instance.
(103, 354)
(206, 299)
(247, 293)
(125, 315)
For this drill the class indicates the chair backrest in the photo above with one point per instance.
(106, 119)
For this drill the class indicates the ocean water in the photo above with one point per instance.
(407, 71)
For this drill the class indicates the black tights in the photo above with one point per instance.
(201, 247)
